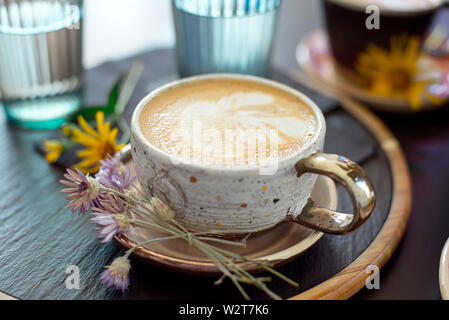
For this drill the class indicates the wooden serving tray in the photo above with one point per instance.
(40, 238)
(353, 277)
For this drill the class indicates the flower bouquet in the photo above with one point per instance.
(118, 206)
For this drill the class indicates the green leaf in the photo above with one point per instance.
(113, 96)
(88, 113)
(117, 99)
(128, 87)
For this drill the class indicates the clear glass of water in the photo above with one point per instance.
(231, 36)
(41, 71)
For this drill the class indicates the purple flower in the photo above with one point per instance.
(110, 218)
(110, 225)
(114, 174)
(117, 274)
(110, 163)
(110, 203)
(83, 191)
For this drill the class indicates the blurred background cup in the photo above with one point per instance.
(41, 71)
(231, 36)
(346, 22)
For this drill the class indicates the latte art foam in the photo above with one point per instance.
(228, 123)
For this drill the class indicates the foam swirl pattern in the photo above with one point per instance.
(227, 123)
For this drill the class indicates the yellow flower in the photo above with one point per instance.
(66, 130)
(53, 150)
(98, 143)
(394, 73)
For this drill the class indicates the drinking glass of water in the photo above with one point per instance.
(231, 36)
(40, 61)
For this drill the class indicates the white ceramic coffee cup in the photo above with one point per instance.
(240, 199)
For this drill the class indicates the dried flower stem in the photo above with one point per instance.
(225, 260)
(224, 241)
(243, 275)
(264, 266)
(141, 244)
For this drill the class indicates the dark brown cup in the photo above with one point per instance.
(349, 36)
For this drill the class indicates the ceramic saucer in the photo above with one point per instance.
(277, 245)
(444, 271)
(314, 56)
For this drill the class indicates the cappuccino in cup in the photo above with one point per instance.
(232, 154)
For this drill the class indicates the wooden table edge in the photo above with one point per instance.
(352, 278)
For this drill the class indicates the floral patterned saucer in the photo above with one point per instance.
(277, 245)
(314, 56)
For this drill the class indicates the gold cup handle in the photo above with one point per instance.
(356, 182)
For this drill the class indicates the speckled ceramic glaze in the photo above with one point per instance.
(226, 199)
